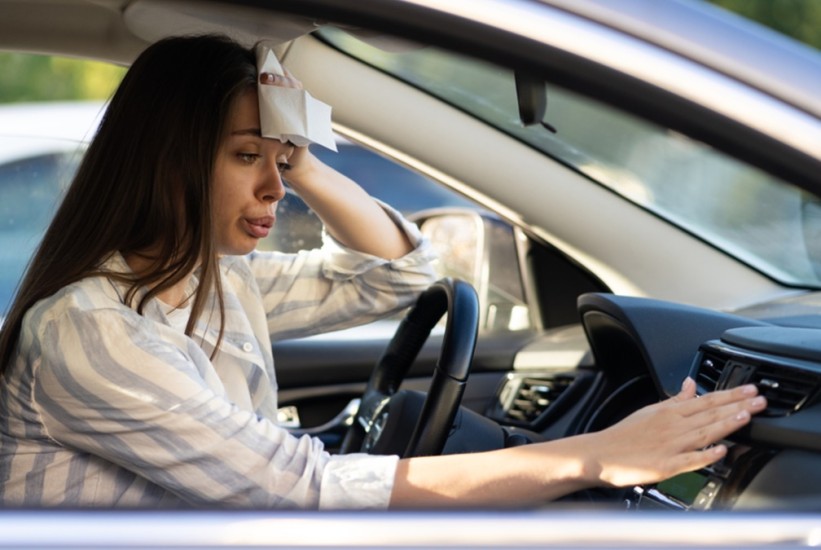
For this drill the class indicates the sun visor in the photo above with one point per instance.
(152, 20)
(290, 114)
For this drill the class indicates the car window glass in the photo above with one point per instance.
(757, 218)
(29, 191)
(49, 108)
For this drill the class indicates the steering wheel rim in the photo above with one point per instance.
(428, 437)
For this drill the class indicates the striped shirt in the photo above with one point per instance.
(102, 406)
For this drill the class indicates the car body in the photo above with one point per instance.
(40, 148)
(668, 228)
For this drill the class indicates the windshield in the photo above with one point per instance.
(759, 219)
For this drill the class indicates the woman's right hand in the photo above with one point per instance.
(674, 436)
(653, 444)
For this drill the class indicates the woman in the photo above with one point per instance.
(136, 356)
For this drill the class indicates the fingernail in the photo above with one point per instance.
(759, 401)
(742, 416)
(687, 381)
(267, 78)
(749, 389)
(718, 449)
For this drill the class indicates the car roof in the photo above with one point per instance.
(32, 129)
(716, 38)
(77, 119)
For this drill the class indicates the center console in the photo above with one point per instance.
(763, 463)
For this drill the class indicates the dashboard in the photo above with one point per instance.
(640, 351)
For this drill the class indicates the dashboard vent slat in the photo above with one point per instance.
(710, 370)
(786, 390)
(525, 399)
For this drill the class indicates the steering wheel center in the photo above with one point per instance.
(382, 406)
(374, 424)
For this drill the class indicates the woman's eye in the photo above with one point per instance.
(248, 158)
(283, 167)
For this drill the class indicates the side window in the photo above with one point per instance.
(49, 109)
(29, 191)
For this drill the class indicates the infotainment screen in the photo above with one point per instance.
(684, 487)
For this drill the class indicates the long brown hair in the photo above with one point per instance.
(145, 181)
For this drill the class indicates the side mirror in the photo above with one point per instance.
(483, 250)
(811, 228)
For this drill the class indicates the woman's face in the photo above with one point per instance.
(247, 180)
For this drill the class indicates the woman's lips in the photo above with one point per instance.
(259, 227)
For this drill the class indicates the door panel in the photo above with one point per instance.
(320, 377)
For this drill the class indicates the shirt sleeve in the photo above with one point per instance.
(112, 386)
(335, 287)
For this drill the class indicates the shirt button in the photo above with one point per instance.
(247, 347)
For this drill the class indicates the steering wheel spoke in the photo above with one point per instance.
(416, 430)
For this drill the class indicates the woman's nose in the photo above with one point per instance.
(273, 188)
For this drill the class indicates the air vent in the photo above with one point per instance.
(709, 371)
(522, 400)
(786, 390)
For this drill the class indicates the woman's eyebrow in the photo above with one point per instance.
(247, 132)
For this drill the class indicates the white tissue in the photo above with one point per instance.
(289, 114)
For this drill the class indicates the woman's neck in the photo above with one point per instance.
(175, 296)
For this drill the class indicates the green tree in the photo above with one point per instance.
(800, 19)
(27, 77)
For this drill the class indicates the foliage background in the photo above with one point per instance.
(25, 77)
(800, 19)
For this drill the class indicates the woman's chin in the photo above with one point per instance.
(238, 249)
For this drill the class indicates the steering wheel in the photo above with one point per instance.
(390, 421)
